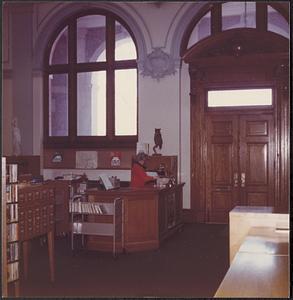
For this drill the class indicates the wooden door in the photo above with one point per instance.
(256, 146)
(240, 163)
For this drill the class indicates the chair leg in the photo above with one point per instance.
(25, 248)
(51, 255)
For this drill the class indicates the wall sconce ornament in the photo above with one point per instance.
(158, 64)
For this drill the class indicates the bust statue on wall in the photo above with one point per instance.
(16, 137)
(158, 141)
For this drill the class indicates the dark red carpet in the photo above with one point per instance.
(190, 264)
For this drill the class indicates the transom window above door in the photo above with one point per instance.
(240, 98)
(91, 83)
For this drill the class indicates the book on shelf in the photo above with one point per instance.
(12, 173)
(12, 212)
(12, 252)
(12, 271)
(11, 193)
(86, 208)
(12, 232)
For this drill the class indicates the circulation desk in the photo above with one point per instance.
(150, 216)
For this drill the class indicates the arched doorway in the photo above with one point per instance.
(239, 154)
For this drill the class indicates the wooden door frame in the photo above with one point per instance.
(253, 70)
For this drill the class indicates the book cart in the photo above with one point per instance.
(84, 219)
(10, 230)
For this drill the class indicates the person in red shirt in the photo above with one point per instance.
(139, 178)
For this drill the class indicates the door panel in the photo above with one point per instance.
(257, 159)
(256, 199)
(222, 168)
(222, 162)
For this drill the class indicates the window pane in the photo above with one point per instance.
(201, 30)
(251, 97)
(59, 50)
(238, 15)
(124, 45)
(91, 104)
(58, 105)
(277, 23)
(126, 102)
(91, 39)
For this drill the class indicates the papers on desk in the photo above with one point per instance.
(151, 173)
(106, 182)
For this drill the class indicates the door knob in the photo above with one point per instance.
(242, 179)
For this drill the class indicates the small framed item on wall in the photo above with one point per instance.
(86, 159)
(57, 157)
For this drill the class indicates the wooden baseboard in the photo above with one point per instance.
(188, 216)
(192, 216)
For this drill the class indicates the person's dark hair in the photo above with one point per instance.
(140, 156)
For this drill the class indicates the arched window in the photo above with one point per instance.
(229, 15)
(91, 83)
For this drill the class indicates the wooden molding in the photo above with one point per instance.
(188, 216)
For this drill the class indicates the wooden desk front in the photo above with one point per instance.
(150, 216)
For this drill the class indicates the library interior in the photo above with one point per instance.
(145, 149)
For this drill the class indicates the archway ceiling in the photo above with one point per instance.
(237, 42)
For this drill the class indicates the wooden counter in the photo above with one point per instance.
(256, 275)
(243, 218)
(150, 216)
(259, 266)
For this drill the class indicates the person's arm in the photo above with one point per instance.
(139, 175)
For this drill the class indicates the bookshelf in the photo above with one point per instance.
(85, 219)
(10, 230)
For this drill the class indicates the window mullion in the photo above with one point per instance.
(216, 18)
(110, 55)
(72, 89)
(261, 16)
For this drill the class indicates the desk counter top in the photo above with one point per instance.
(256, 275)
(266, 240)
(252, 209)
(260, 268)
(131, 190)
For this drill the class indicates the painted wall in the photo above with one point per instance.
(162, 103)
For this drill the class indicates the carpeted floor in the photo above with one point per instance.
(191, 264)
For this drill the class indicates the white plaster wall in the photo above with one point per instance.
(7, 109)
(123, 175)
(184, 159)
(158, 108)
(37, 112)
(158, 19)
